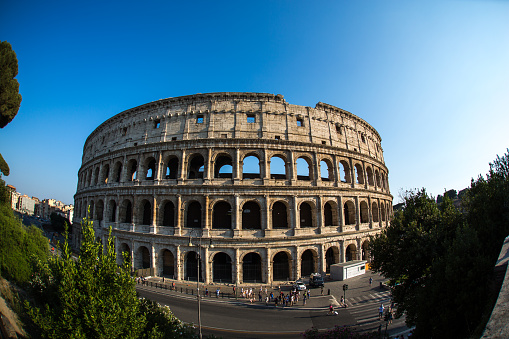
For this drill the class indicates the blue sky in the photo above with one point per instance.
(431, 76)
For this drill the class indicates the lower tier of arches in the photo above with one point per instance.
(212, 260)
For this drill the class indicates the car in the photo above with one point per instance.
(299, 285)
(315, 280)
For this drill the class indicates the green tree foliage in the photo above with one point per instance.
(19, 245)
(440, 261)
(10, 99)
(90, 297)
(58, 222)
(4, 168)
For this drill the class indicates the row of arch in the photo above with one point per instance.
(222, 213)
(222, 267)
(222, 166)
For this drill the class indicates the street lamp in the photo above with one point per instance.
(198, 279)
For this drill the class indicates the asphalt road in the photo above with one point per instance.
(230, 319)
(240, 320)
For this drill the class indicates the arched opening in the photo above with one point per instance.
(383, 212)
(194, 215)
(252, 268)
(279, 215)
(307, 263)
(117, 171)
(96, 176)
(281, 266)
(327, 214)
(124, 254)
(364, 212)
(251, 218)
(146, 213)
(128, 211)
(169, 214)
(132, 170)
(151, 169)
(196, 167)
(369, 175)
(344, 172)
(99, 210)
(251, 167)
(326, 172)
(172, 166)
(223, 167)
(331, 257)
(351, 252)
(112, 211)
(168, 264)
(222, 268)
(105, 174)
(377, 178)
(374, 211)
(349, 213)
(191, 267)
(306, 216)
(359, 174)
(222, 215)
(277, 168)
(91, 210)
(365, 251)
(142, 258)
(303, 169)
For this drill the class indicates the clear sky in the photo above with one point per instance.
(432, 77)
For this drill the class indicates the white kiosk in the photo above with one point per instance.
(348, 269)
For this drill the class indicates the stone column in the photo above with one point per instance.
(268, 265)
(182, 175)
(267, 220)
(295, 213)
(153, 258)
(237, 168)
(319, 214)
(160, 167)
(238, 265)
(178, 215)
(292, 168)
(206, 265)
(297, 263)
(357, 213)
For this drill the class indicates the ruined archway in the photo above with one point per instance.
(252, 268)
(222, 268)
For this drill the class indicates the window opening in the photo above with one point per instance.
(199, 119)
(251, 118)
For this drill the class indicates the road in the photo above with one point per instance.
(244, 320)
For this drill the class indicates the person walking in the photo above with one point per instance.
(370, 281)
(217, 292)
(380, 311)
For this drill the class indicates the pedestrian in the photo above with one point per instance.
(260, 296)
(370, 281)
(265, 290)
(217, 292)
(380, 311)
(304, 300)
(271, 296)
(331, 309)
(342, 300)
(321, 290)
(234, 291)
(163, 279)
(206, 292)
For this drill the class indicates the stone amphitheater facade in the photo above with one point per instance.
(255, 188)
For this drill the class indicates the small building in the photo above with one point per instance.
(348, 269)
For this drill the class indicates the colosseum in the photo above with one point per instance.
(234, 187)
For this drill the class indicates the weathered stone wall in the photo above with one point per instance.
(155, 173)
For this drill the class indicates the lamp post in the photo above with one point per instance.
(198, 257)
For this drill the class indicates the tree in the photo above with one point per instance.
(439, 261)
(90, 297)
(19, 245)
(4, 168)
(10, 99)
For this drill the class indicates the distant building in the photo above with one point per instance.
(26, 205)
(34, 206)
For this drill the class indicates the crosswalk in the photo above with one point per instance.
(364, 309)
